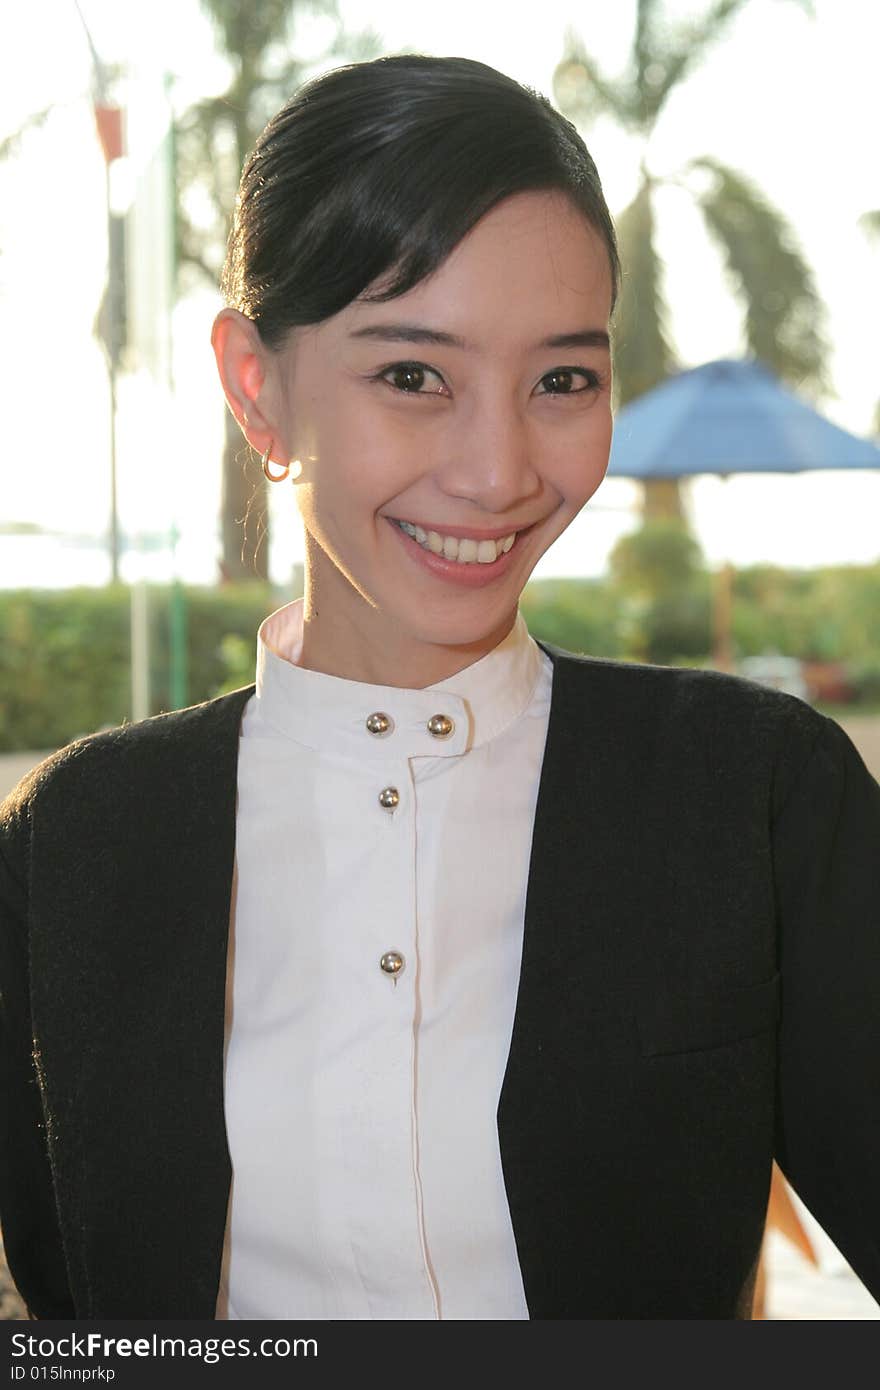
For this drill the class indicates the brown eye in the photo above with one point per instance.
(413, 378)
(568, 381)
(408, 378)
(559, 382)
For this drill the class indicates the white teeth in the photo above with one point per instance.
(464, 551)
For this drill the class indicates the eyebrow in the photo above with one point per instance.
(416, 333)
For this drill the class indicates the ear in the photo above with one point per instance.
(250, 381)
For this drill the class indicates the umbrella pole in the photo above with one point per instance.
(722, 614)
(722, 654)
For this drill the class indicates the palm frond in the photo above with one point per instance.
(358, 45)
(347, 45)
(649, 50)
(248, 30)
(643, 353)
(10, 143)
(665, 57)
(206, 114)
(785, 317)
(267, 91)
(645, 36)
(682, 49)
(582, 92)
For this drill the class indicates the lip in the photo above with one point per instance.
(469, 576)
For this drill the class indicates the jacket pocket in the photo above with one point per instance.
(713, 1018)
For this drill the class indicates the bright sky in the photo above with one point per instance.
(788, 101)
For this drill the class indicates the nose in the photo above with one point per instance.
(492, 461)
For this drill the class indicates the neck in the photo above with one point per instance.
(358, 642)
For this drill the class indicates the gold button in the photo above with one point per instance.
(378, 723)
(389, 798)
(392, 963)
(440, 726)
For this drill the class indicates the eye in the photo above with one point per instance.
(412, 378)
(564, 381)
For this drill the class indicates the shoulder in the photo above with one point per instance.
(701, 713)
(668, 690)
(126, 758)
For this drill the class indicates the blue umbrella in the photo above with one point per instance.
(729, 417)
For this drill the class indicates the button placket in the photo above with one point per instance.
(393, 955)
(381, 725)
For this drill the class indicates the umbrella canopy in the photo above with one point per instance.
(729, 417)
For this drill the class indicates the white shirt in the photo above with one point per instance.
(361, 1106)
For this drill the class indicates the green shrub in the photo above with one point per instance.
(66, 655)
(677, 627)
(580, 615)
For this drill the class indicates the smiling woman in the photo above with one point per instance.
(435, 205)
(442, 973)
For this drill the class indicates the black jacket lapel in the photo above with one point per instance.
(615, 1139)
(129, 965)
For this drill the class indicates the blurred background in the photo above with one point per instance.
(738, 526)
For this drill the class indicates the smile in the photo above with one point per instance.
(464, 551)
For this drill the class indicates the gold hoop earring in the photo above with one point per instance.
(264, 464)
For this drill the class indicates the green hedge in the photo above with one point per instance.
(66, 654)
(828, 614)
(581, 615)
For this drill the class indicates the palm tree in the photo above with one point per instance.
(212, 139)
(870, 225)
(783, 317)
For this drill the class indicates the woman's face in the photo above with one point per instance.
(475, 407)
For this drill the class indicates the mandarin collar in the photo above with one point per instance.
(330, 713)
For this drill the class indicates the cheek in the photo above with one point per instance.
(579, 465)
(353, 472)
(315, 415)
(365, 458)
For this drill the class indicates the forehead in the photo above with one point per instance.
(533, 267)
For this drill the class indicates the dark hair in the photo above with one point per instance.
(385, 166)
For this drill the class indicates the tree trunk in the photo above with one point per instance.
(661, 500)
(243, 511)
(722, 620)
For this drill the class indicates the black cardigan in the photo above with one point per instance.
(700, 991)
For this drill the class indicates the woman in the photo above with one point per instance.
(533, 962)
